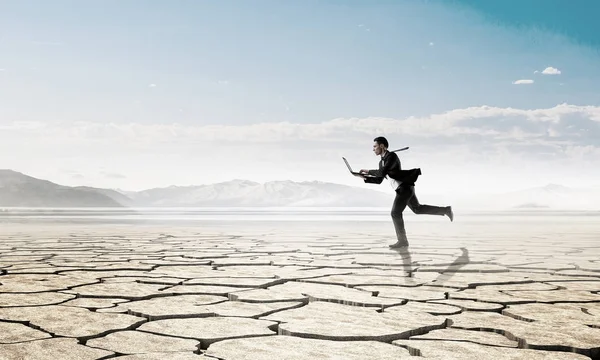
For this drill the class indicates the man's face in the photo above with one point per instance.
(377, 148)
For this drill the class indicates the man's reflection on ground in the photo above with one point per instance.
(404, 252)
(445, 275)
(452, 269)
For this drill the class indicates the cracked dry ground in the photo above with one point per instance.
(140, 293)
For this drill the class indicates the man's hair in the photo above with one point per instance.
(382, 141)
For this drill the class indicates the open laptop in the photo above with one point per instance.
(354, 172)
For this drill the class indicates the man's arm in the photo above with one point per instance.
(392, 162)
(372, 180)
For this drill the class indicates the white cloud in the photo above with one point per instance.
(497, 140)
(553, 133)
(583, 151)
(22, 125)
(551, 71)
(523, 82)
(478, 121)
(223, 82)
(152, 85)
(431, 44)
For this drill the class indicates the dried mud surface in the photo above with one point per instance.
(94, 292)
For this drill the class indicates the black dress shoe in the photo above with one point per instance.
(398, 245)
(450, 213)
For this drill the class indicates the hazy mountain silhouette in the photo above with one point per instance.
(548, 197)
(115, 195)
(273, 193)
(20, 190)
(551, 196)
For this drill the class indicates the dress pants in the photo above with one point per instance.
(405, 196)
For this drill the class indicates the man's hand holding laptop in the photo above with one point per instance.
(362, 173)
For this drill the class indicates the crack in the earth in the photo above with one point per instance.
(115, 355)
(84, 339)
(31, 326)
(255, 245)
(522, 343)
(205, 343)
(388, 338)
(58, 290)
(517, 317)
(125, 297)
(586, 311)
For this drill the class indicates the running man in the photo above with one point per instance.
(403, 182)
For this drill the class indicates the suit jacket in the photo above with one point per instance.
(389, 165)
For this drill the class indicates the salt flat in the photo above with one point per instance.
(508, 288)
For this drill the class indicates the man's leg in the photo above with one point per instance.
(419, 208)
(403, 196)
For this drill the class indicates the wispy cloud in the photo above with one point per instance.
(152, 85)
(563, 136)
(484, 121)
(431, 44)
(523, 82)
(551, 71)
(364, 27)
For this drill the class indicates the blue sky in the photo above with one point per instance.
(208, 64)
(574, 20)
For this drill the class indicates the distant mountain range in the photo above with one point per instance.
(550, 197)
(20, 190)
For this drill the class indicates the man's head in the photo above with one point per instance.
(380, 144)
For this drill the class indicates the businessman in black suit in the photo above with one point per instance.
(403, 182)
